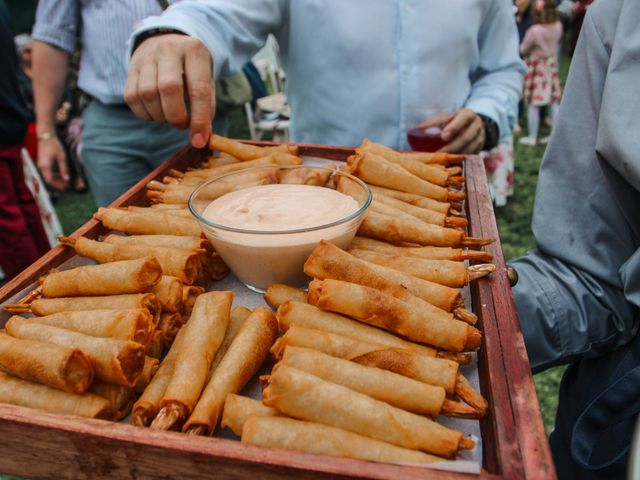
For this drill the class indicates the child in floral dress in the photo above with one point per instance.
(540, 50)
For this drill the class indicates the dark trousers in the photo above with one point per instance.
(22, 236)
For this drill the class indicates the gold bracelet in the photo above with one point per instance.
(46, 136)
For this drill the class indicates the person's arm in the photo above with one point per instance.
(497, 80)
(527, 42)
(214, 36)
(50, 68)
(578, 294)
(54, 35)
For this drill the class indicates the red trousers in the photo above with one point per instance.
(22, 237)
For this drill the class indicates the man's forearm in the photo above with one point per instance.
(50, 67)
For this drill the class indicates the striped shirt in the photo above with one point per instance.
(104, 27)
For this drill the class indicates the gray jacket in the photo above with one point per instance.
(579, 292)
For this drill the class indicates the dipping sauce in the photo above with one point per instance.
(265, 252)
(280, 207)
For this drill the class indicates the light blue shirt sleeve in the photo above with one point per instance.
(496, 83)
(57, 23)
(243, 27)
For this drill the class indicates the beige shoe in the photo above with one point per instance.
(529, 141)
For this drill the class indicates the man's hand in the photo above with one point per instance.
(166, 69)
(462, 131)
(51, 154)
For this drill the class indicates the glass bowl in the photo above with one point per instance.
(260, 258)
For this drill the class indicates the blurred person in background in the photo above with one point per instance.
(354, 69)
(118, 149)
(578, 294)
(64, 114)
(22, 237)
(540, 48)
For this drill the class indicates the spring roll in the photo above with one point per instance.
(245, 151)
(181, 193)
(220, 159)
(389, 387)
(64, 368)
(204, 333)
(168, 291)
(404, 361)
(377, 308)
(150, 368)
(445, 272)
(133, 325)
(179, 263)
(189, 295)
(114, 361)
(48, 306)
(146, 407)
(435, 174)
(121, 398)
(328, 261)
(309, 316)
(127, 276)
(310, 437)
(170, 324)
(302, 395)
(216, 267)
(278, 293)
(16, 391)
(432, 253)
(237, 409)
(155, 346)
(440, 158)
(207, 173)
(453, 274)
(411, 198)
(349, 187)
(400, 230)
(378, 171)
(236, 319)
(167, 241)
(246, 354)
(150, 223)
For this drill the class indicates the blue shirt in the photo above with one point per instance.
(355, 68)
(106, 26)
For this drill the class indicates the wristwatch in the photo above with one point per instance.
(491, 132)
(152, 32)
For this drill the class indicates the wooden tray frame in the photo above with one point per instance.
(36, 444)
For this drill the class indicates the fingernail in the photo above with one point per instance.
(197, 140)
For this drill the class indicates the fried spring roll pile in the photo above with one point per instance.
(93, 333)
(234, 156)
(371, 353)
(367, 359)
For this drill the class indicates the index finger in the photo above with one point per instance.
(199, 78)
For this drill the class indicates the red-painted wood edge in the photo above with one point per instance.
(523, 425)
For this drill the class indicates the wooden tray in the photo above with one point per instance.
(42, 445)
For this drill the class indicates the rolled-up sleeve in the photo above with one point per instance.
(57, 23)
(496, 83)
(232, 30)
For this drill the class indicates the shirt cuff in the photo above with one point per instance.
(504, 120)
(177, 21)
(58, 38)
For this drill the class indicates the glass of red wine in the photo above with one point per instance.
(426, 124)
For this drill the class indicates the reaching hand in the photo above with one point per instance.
(51, 154)
(463, 132)
(166, 69)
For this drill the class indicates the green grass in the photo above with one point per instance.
(514, 224)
